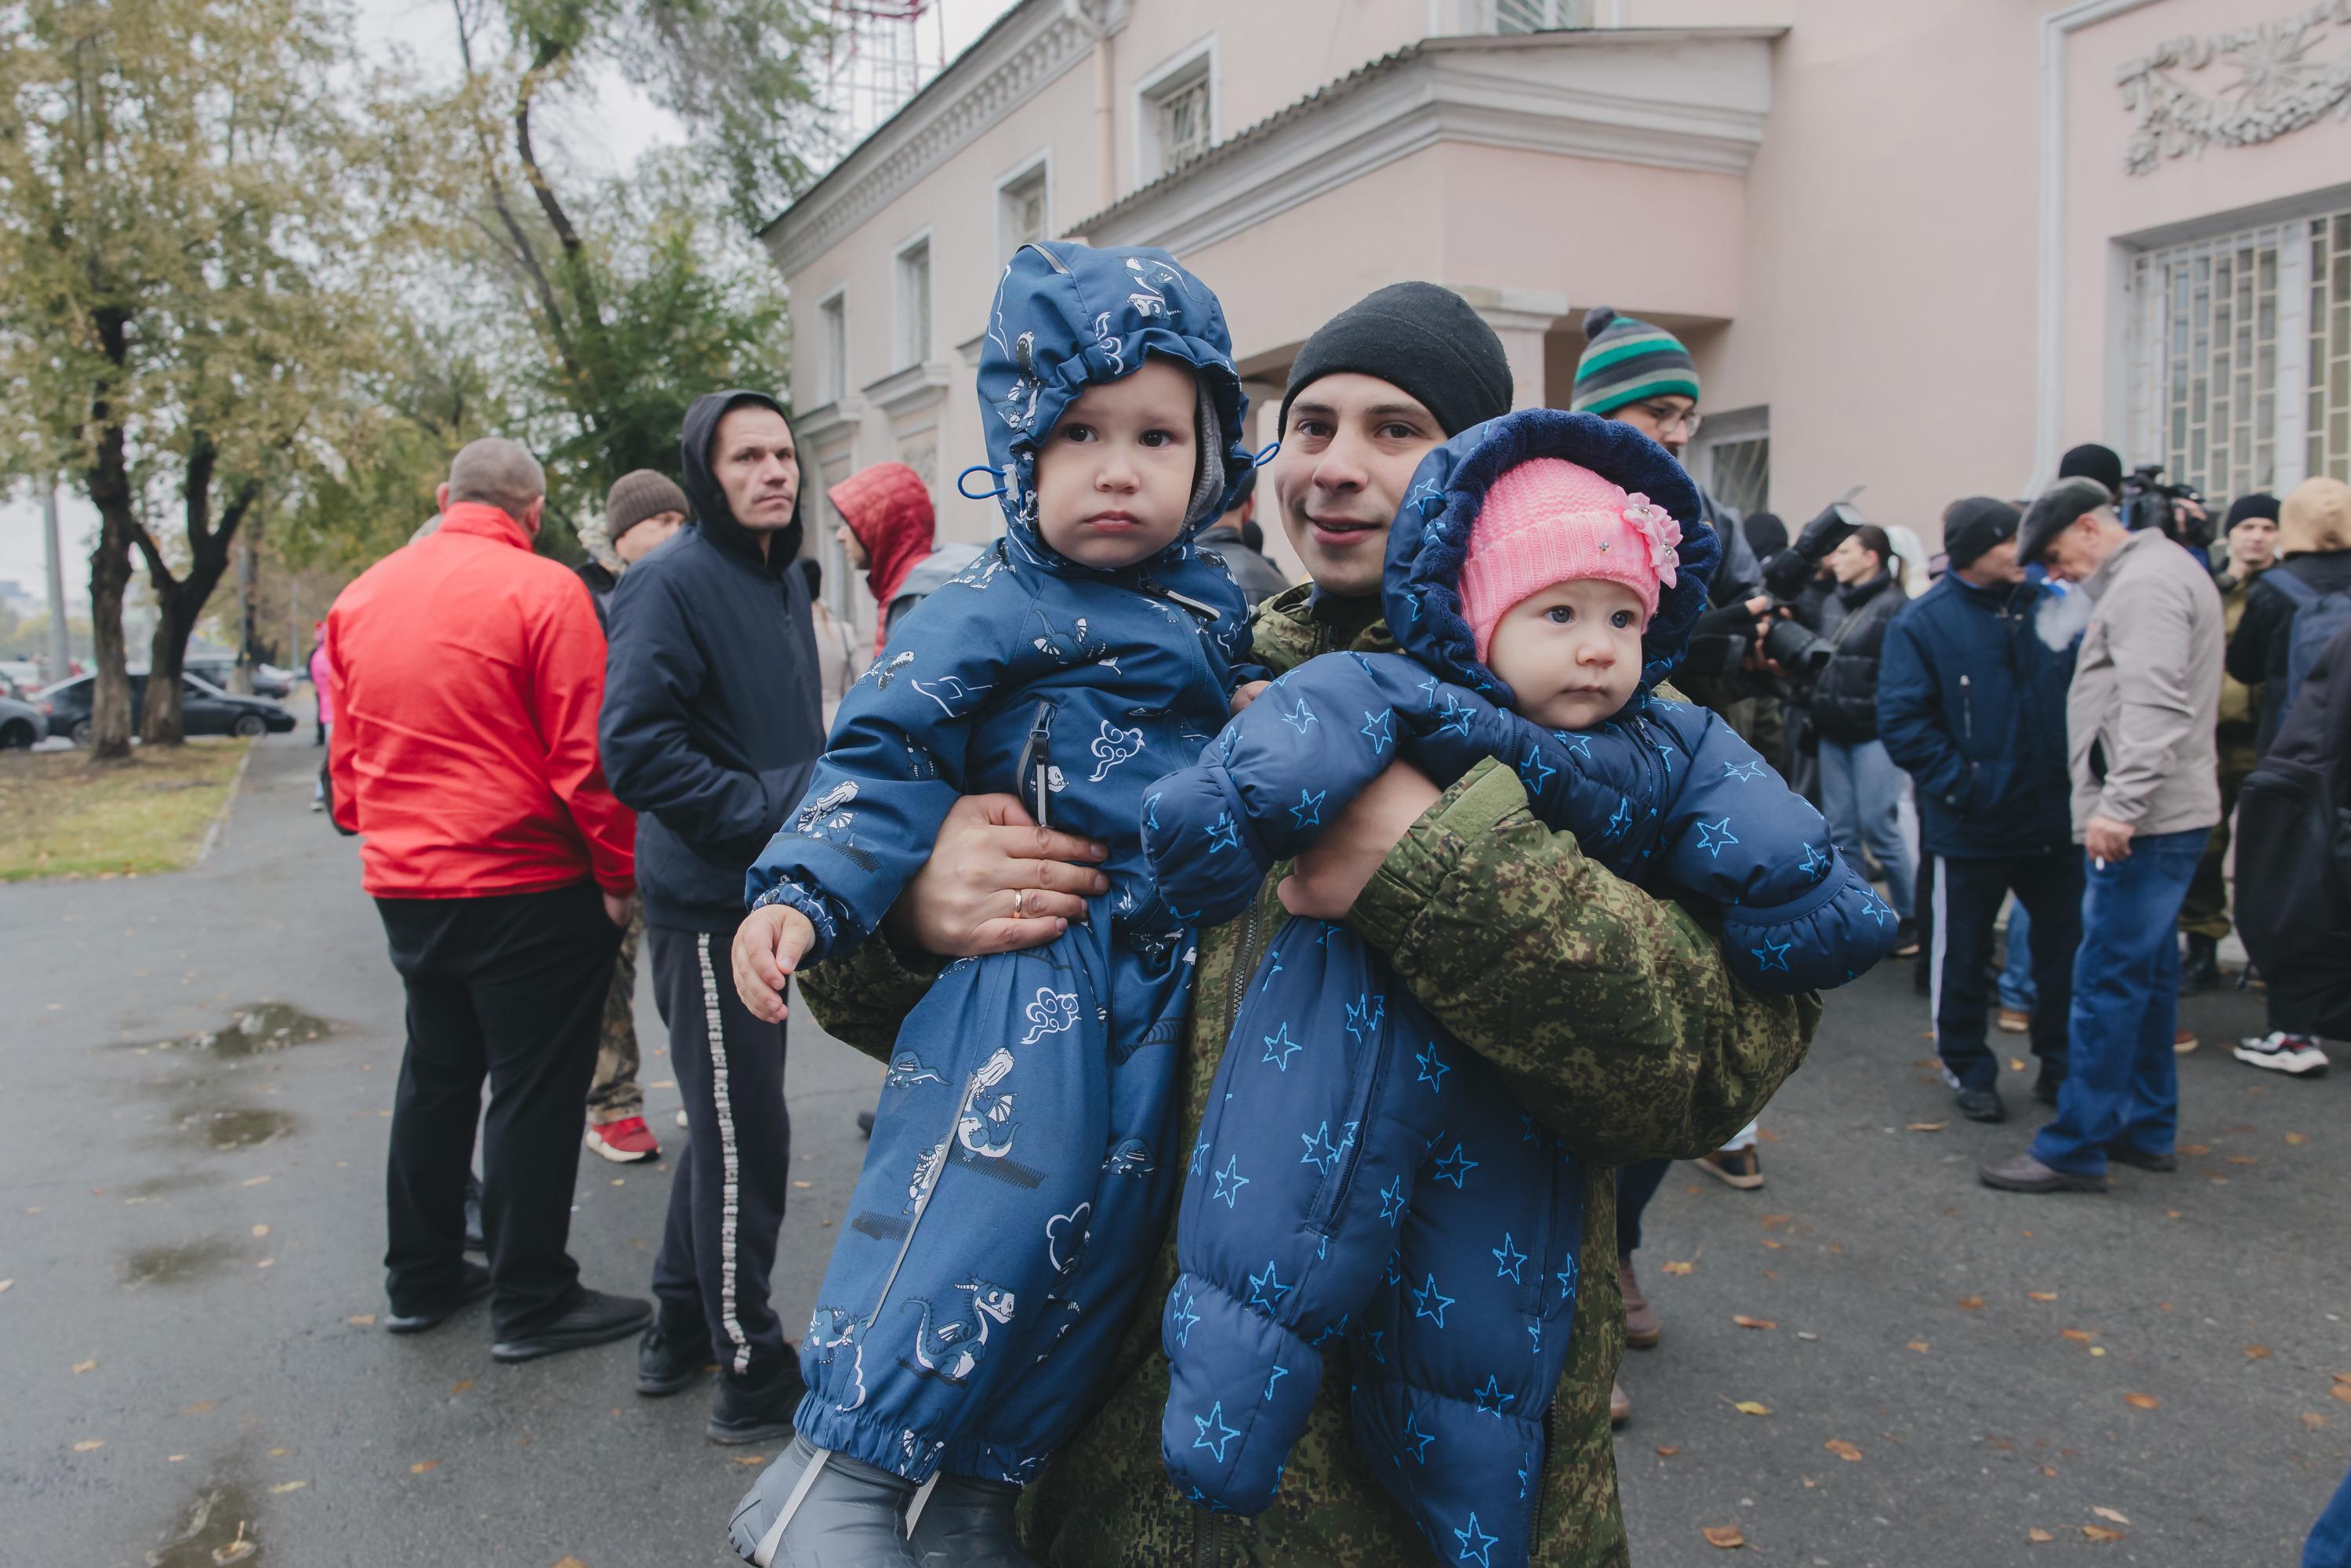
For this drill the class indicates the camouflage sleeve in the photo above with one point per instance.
(1610, 1011)
(862, 998)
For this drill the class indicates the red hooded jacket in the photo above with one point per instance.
(889, 510)
(467, 675)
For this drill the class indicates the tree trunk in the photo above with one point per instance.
(109, 569)
(180, 601)
(160, 723)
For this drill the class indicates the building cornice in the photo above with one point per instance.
(826, 418)
(1035, 44)
(1630, 97)
(904, 391)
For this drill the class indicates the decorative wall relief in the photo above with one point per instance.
(2278, 88)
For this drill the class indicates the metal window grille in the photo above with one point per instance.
(2243, 379)
(1540, 15)
(1183, 122)
(1738, 472)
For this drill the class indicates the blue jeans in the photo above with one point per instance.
(2016, 988)
(1861, 792)
(2124, 1081)
(2330, 1539)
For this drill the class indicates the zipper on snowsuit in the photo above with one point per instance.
(1035, 768)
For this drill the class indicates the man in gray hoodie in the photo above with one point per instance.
(2139, 724)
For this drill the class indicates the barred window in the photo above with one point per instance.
(1540, 15)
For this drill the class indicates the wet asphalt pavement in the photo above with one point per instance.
(191, 1232)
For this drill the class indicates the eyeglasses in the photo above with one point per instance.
(1669, 419)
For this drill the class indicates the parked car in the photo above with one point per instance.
(21, 723)
(269, 681)
(204, 709)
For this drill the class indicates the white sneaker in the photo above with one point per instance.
(681, 1115)
(2296, 1054)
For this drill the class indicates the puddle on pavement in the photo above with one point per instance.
(181, 1264)
(253, 1030)
(216, 1530)
(239, 1128)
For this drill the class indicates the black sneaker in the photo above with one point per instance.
(1906, 939)
(2122, 1152)
(595, 1319)
(473, 1284)
(668, 1361)
(757, 1409)
(1980, 1105)
(2200, 969)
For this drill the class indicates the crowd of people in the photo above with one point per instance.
(1449, 787)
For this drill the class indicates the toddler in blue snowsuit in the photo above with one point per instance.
(1539, 582)
(1018, 1175)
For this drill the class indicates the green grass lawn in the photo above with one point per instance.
(61, 816)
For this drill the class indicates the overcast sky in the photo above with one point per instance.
(604, 128)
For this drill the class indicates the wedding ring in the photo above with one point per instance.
(1019, 903)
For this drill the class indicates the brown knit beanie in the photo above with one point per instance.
(641, 494)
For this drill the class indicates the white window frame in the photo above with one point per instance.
(903, 292)
(833, 336)
(1037, 166)
(1197, 61)
(2141, 316)
(1729, 428)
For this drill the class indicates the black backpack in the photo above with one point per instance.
(2294, 854)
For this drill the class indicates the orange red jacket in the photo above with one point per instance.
(468, 673)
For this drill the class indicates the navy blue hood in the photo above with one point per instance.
(1422, 594)
(1068, 316)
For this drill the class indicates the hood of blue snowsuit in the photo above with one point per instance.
(1430, 535)
(1068, 316)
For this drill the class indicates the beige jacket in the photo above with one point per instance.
(2145, 698)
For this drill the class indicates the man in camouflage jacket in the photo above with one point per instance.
(1610, 1012)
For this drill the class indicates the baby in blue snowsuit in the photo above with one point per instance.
(1018, 1175)
(1540, 583)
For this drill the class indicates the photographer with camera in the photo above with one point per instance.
(2142, 500)
(1971, 704)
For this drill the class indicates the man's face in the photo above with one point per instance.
(647, 536)
(1997, 566)
(1343, 467)
(2252, 544)
(852, 546)
(1849, 563)
(753, 459)
(1668, 421)
(2078, 550)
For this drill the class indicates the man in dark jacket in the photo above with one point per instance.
(1860, 790)
(1228, 539)
(1971, 705)
(710, 727)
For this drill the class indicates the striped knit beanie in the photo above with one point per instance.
(1625, 359)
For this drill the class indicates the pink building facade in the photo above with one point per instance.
(1919, 247)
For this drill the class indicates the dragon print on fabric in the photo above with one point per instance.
(951, 1350)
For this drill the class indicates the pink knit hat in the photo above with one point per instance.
(1548, 520)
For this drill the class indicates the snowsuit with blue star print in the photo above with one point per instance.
(1018, 1175)
(1359, 1173)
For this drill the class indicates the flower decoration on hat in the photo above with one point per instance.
(1657, 526)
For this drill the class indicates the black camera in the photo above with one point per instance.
(1801, 653)
(2148, 503)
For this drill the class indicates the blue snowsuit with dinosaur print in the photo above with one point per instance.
(1018, 1175)
(1428, 1219)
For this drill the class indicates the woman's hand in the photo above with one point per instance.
(1324, 882)
(996, 883)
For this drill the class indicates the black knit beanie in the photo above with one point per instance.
(1767, 536)
(1974, 526)
(2260, 504)
(2092, 461)
(1419, 337)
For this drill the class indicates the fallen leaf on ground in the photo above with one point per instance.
(2142, 1401)
(282, 1487)
(1743, 1321)
(89, 1445)
(660, 1083)
(1971, 1303)
(6, 1283)
(462, 1384)
(1723, 1535)
(1750, 1407)
(252, 1181)
(2297, 1137)
(1767, 1134)
(2110, 1515)
(1842, 1450)
(2097, 1350)
(1806, 1334)
(2016, 1065)
(261, 1230)
(2243, 1159)
(82, 1366)
(1775, 1246)
(361, 1321)
(2100, 1532)
(2198, 1149)
(2082, 1335)
(570, 1563)
(265, 1262)
(2311, 1420)
(1677, 1268)
(2342, 1389)
(2042, 1295)
(2258, 1353)
(236, 1550)
(803, 1184)
(421, 1466)
(1924, 1127)
(1919, 1345)
(1668, 1450)
(1771, 1221)
(2039, 1536)
(2170, 1214)
(200, 1408)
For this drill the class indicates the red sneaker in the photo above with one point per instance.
(626, 1142)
